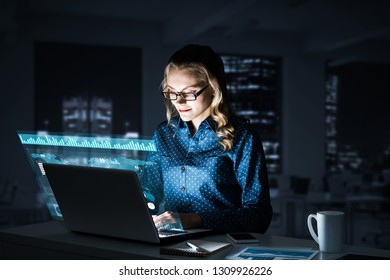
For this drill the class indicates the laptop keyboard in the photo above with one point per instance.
(170, 232)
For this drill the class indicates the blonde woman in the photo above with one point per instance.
(211, 165)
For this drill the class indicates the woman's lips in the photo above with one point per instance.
(184, 110)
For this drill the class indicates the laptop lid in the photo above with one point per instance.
(105, 201)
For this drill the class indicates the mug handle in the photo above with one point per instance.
(310, 226)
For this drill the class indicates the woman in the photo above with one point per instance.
(212, 164)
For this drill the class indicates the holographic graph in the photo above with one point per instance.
(88, 142)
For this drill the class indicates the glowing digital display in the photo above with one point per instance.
(88, 142)
(89, 150)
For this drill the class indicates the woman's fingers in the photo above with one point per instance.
(164, 220)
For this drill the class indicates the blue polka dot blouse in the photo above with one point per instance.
(192, 174)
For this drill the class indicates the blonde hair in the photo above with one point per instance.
(220, 109)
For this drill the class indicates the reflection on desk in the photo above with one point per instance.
(52, 240)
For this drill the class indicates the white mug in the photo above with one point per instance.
(330, 229)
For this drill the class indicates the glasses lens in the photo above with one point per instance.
(169, 95)
(172, 96)
(188, 96)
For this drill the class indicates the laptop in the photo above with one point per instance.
(107, 202)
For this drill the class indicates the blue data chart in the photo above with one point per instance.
(88, 142)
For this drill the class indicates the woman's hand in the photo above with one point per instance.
(169, 220)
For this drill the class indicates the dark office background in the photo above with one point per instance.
(118, 50)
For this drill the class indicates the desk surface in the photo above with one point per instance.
(52, 240)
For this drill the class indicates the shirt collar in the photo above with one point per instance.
(211, 123)
(177, 122)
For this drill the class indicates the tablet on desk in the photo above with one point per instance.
(242, 237)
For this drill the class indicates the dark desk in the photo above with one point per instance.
(52, 240)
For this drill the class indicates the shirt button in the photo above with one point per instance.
(183, 188)
(183, 168)
(190, 154)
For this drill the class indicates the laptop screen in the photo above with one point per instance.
(108, 151)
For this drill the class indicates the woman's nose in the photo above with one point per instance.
(180, 100)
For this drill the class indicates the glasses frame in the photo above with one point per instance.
(166, 93)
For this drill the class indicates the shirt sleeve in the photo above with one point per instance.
(250, 170)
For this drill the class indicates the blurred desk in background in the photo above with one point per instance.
(375, 205)
(295, 208)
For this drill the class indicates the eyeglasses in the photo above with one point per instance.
(187, 96)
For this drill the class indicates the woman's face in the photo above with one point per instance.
(189, 111)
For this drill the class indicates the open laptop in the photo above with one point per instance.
(109, 202)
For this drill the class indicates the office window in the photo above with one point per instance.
(254, 85)
(356, 116)
(331, 102)
(88, 89)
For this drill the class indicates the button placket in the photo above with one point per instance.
(183, 178)
(184, 167)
